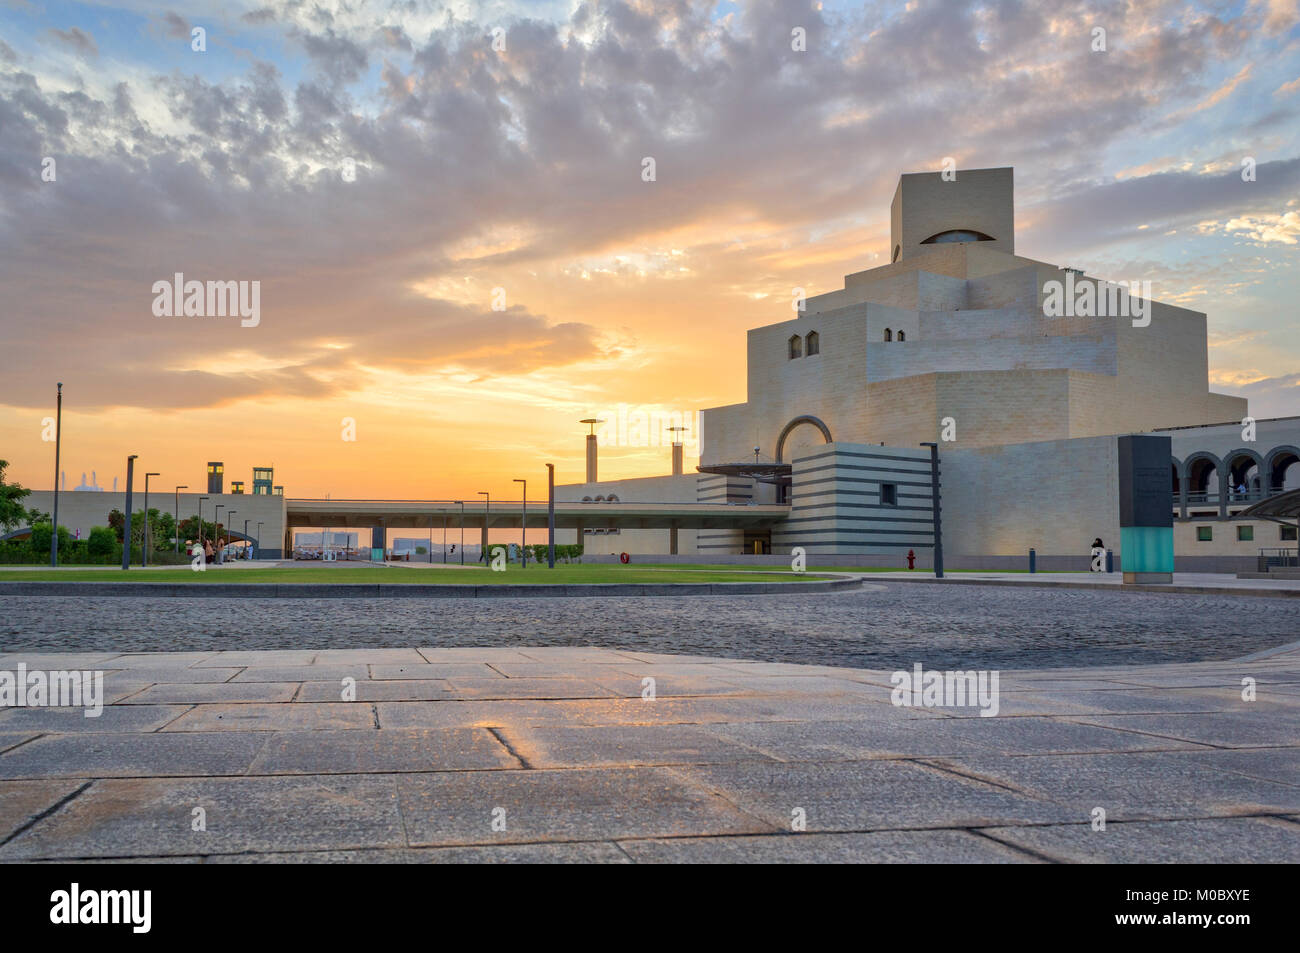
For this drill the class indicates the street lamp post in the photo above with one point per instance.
(230, 516)
(144, 545)
(462, 531)
(58, 434)
(176, 518)
(523, 546)
(245, 533)
(257, 547)
(487, 516)
(550, 516)
(202, 552)
(934, 503)
(126, 535)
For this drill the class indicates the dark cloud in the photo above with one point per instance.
(175, 26)
(76, 39)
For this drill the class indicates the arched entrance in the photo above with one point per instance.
(801, 420)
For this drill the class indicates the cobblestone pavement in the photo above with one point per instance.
(553, 754)
(889, 625)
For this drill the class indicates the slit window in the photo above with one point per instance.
(889, 494)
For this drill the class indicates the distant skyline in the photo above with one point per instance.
(455, 249)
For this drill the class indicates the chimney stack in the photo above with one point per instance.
(677, 451)
(591, 448)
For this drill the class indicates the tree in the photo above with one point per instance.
(102, 541)
(12, 512)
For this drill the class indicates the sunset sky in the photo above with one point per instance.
(379, 168)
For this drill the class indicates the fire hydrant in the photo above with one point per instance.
(911, 559)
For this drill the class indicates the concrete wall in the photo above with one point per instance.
(925, 204)
(1055, 496)
(81, 511)
(838, 505)
(660, 489)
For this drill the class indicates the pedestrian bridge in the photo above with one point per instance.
(510, 514)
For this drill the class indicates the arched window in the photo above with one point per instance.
(957, 235)
(796, 346)
(889, 335)
(902, 335)
(611, 498)
(814, 344)
(600, 499)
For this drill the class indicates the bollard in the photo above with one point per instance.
(1033, 561)
(1110, 561)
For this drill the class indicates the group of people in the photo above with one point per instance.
(214, 554)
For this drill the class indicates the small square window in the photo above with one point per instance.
(1204, 534)
(889, 494)
(1286, 532)
(1245, 534)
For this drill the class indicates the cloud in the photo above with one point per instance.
(76, 39)
(247, 174)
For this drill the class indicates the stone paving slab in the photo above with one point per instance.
(558, 688)
(154, 817)
(406, 689)
(584, 804)
(263, 717)
(1228, 729)
(1213, 841)
(717, 767)
(334, 673)
(169, 693)
(74, 720)
(22, 801)
(883, 847)
(105, 755)
(378, 752)
(1139, 786)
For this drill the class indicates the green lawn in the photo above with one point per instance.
(570, 573)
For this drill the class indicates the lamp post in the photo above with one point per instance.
(144, 545)
(523, 546)
(487, 516)
(201, 551)
(257, 547)
(245, 533)
(462, 531)
(126, 535)
(934, 502)
(58, 434)
(216, 529)
(176, 518)
(230, 516)
(550, 516)
(444, 541)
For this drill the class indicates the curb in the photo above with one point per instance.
(1102, 586)
(201, 590)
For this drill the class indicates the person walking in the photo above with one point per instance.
(207, 551)
(1098, 555)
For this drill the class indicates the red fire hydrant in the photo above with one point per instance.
(911, 559)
